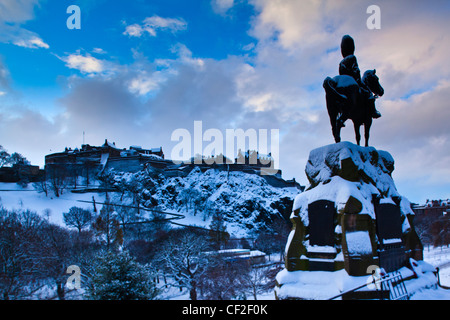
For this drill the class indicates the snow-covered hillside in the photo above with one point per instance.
(246, 201)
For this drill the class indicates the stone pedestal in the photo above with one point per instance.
(351, 216)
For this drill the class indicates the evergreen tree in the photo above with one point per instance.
(119, 277)
(107, 225)
(218, 230)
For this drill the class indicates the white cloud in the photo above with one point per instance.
(144, 83)
(33, 42)
(98, 51)
(294, 23)
(165, 23)
(185, 56)
(260, 102)
(133, 30)
(85, 64)
(154, 23)
(222, 6)
(29, 133)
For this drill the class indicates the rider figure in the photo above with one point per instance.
(349, 66)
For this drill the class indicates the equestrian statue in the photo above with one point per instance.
(348, 96)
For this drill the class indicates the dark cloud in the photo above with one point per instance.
(414, 120)
(30, 134)
(206, 93)
(4, 79)
(103, 109)
(12, 15)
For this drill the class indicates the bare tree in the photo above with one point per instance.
(190, 198)
(56, 255)
(224, 279)
(184, 259)
(20, 265)
(78, 218)
(42, 185)
(17, 158)
(256, 280)
(58, 178)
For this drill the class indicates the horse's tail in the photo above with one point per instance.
(330, 88)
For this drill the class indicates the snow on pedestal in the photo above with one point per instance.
(349, 219)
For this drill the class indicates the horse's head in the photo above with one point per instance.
(371, 80)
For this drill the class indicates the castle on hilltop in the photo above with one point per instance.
(90, 161)
(107, 156)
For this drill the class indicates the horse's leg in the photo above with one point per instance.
(334, 99)
(332, 113)
(357, 134)
(367, 126)
(337, 129)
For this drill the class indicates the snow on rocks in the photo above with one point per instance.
(352, 163)
(246, 201)
(353, 207)
(350, 176)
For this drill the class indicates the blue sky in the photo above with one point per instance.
(138, 70)
(103, 23)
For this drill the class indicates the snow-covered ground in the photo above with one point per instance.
(13, 196)
(439, 257)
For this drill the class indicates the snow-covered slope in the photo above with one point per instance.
(14, 197)
(246, 201)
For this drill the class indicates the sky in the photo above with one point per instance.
(138, 70)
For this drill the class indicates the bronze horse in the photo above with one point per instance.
(346, 100)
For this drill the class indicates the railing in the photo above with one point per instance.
(390, 282)
(394, 283)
